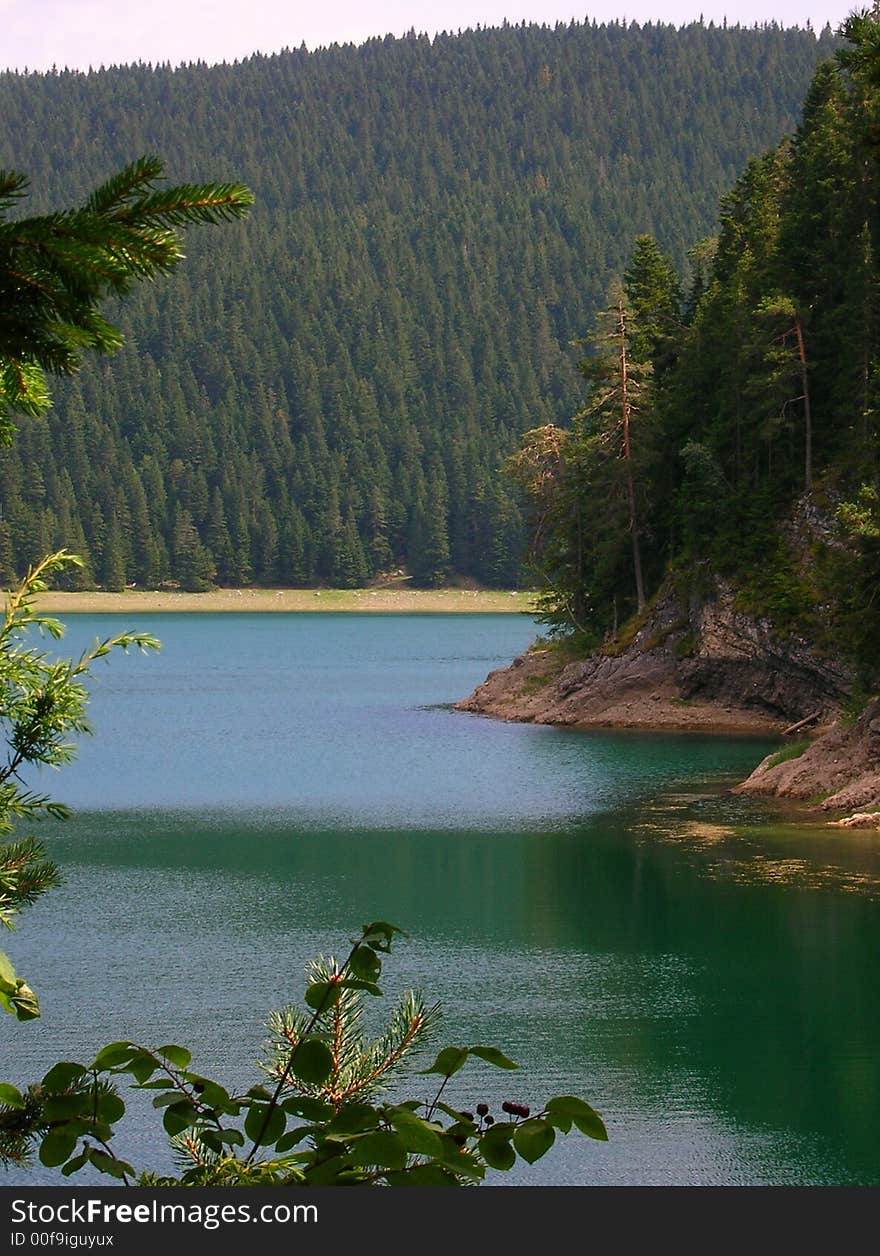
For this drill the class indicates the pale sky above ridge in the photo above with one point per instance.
(77, 34)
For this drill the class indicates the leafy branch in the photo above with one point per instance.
(42, 702)
(317, 1138)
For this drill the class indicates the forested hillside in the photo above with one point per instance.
(327, 391)
(730, 430)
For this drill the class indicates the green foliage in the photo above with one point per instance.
(357, 1068)
(56, 269)
(853, 575)
(43, 704)
(328, 393)
(586, 488)
(855, 704)
(793, 750)
(756, 456)
(325, 1122)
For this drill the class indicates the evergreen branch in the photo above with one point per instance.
(120, 187)
(282, 1080)
(189, 203)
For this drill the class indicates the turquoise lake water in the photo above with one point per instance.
(594, 904)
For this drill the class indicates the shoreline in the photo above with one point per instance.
(389, 600)
(833, 770)
(541, 687)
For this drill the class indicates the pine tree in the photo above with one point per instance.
(192, 560)
(618, 414)
(56, 270)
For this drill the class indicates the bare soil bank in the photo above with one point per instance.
(392, 599)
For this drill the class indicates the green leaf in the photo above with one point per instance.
(326, 1172)
(10, 1096)
(455, 1114)
(323, 994)
(449, 1061)
(62, 1076)
(142, 1066)
(76, 1163)
(497, 1152)
(59, 1108)
(381, 1148)
(308, 1109)
(25, 1003)
(562, 1122)
(234, 1138)
(569, 1107)
(354, 983)
(312, 1061)
(179, 1116)
(292, 1138)
(422, 1175)
(493, 1056)
(256, 1118)
(57, 1145)
(114, 1054)
(109, 1164)
(533, 1139)
(179, 1056)
(365, 964)
(418, 1137)
(170, 1096)
(110, 1108)
(211, 1094)
(353, 1118)
(378, 935)
(462, 1162)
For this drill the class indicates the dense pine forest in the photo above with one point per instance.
(730, 427)
(327, 391)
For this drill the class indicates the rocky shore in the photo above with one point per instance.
(840, 771)
(707, 668)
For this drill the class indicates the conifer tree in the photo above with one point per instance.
(57, 269)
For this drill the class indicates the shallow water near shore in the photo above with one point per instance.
(701, 969)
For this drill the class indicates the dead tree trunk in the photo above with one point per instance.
(627, 456)
(808, 418)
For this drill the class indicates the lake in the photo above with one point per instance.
(699, 968)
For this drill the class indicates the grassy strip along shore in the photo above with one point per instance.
(391, 599)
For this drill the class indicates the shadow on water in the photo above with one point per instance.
(725, 1023)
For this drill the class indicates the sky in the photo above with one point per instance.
(77, 34)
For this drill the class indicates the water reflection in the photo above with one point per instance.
(726, 1026)
(703, 972)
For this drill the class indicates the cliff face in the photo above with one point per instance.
(706, 666)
